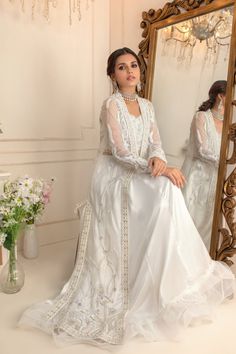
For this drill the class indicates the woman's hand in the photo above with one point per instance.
(157, 166)
(176, 176)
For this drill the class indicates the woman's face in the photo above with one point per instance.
(127, 72)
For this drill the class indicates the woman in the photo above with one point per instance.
(141, 267)
(202, 159)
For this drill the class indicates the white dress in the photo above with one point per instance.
(142, 268)
(200, 168)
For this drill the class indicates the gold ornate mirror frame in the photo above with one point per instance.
(223, 239)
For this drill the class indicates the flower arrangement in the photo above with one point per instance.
(22, 202)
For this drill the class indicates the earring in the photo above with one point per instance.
(139, 86)
(115, 86)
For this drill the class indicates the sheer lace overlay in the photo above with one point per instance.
(201, 169)
(206, 137)
(121, 139)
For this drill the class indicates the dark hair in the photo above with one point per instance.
(218, 87)
(111, 62)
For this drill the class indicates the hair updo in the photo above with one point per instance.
(111, 62)
(218, 87)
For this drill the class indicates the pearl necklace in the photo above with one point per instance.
(217, 115)
(129, 96)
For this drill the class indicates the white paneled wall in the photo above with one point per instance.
(126, 16)
(52, 85)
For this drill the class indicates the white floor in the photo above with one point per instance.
(44, 278)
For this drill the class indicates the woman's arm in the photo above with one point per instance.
(156, 159)
(116, 141)
(201, 138)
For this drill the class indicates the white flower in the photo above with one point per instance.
(10, 223)
(4, 210)
(34, 199)
(18, 201)
(26, 182)
(2, 238)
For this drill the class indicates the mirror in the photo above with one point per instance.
(183, 58)
(185, 69)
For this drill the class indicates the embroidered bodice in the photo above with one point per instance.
(131, 140)
(137, 124)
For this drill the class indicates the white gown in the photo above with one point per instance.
(200, 168)
(142, 268)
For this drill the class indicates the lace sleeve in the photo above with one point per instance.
(117, 141)
(199, 131)
(155, 148)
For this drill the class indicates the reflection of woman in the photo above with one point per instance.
(142, 268)
(202, 158)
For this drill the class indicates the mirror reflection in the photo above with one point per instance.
(201, 161)
(189, 87)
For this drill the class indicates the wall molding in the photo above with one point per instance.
(65, 151)
(45, 162)
(89, 142)
(50, 138)
(59, 221)
(46, 151)
(83, 128)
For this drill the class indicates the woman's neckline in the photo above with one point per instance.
(118, 94)
(213, 121)
(134, 116)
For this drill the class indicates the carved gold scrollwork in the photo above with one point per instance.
(228, 244)
(232, 137)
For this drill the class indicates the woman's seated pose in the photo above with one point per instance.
(141, 268)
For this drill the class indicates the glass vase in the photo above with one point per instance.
(30, 247)
(12, 275)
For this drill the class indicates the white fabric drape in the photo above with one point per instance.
(142, 268)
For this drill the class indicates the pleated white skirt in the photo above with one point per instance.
(142, 268)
